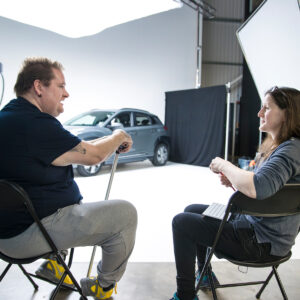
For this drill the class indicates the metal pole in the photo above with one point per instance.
(233, 130)
(113, 169)
(2, 77)
(199, 47)
(227, 120)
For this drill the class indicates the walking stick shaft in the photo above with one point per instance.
(112, 173)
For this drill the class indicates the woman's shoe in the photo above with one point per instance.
(175, 297)
(204, 285)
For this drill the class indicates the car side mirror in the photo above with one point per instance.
(115, 126)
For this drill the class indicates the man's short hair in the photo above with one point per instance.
(35, 68)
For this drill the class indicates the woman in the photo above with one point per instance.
(246, 237)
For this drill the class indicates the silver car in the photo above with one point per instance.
(150, 138)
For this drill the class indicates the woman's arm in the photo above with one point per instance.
(241, 179)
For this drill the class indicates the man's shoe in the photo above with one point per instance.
(175, 297)
(90, 287)
(204, 285)
(51, 270)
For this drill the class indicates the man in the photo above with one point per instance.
(38, 153)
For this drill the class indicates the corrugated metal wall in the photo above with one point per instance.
(221, 54)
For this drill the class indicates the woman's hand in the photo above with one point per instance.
(224, 180)
(217, 165)
(232, 176)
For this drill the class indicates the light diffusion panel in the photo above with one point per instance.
(270, 41)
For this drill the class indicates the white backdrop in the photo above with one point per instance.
(129, 65)
(270, 41)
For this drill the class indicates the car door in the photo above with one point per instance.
(144, 133)
(125, 119)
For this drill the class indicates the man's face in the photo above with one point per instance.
(54, 94)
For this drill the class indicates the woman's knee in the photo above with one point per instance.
(179, 221)
(196, 208)
(190, 208)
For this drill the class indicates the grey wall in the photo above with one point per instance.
(222, 58)
(129, 65)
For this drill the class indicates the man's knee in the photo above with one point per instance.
(129, 212)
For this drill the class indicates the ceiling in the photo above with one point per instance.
(79, 18)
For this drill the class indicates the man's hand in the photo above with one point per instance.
(125, 140)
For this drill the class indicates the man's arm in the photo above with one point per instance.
(96, 151)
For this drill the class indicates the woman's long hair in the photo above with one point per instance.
(287, 99)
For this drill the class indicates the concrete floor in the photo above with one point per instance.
(158, 193)
(156, 281)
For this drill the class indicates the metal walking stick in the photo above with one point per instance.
(113, 169)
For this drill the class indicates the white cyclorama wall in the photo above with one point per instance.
(129, 65)
(270, 41)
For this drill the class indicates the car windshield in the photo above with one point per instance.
(92, 118)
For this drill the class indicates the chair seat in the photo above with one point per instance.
(270, 263)
(22, 261)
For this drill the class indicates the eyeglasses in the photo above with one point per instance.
(280, 91)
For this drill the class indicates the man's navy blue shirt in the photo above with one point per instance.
(30, 141)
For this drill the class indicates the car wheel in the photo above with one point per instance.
(89, 170)
(161, 154)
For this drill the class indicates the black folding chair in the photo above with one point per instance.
(285, 202)
(14, 198)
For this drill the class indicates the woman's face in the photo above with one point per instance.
(271, 116)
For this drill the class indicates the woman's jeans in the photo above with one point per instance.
(193, 232)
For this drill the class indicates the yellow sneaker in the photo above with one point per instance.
(53, 271)
(90, 287)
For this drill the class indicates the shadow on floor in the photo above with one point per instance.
(156, 281)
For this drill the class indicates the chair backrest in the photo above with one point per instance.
(12, 207)
(11, 197)
(15, 200)
(283, 203)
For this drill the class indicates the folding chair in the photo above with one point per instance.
(14, 198)
(285, 202)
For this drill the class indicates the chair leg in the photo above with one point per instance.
(5, 271)
(67, 272)
(211, 282)
(71, 258)
(264, 285)
(53, 295)
(280, 283)
(274, 271)
(29, 277)
(209, 255)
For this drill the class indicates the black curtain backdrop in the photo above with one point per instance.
(196, 123)
(248, 135)
(248, 138)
